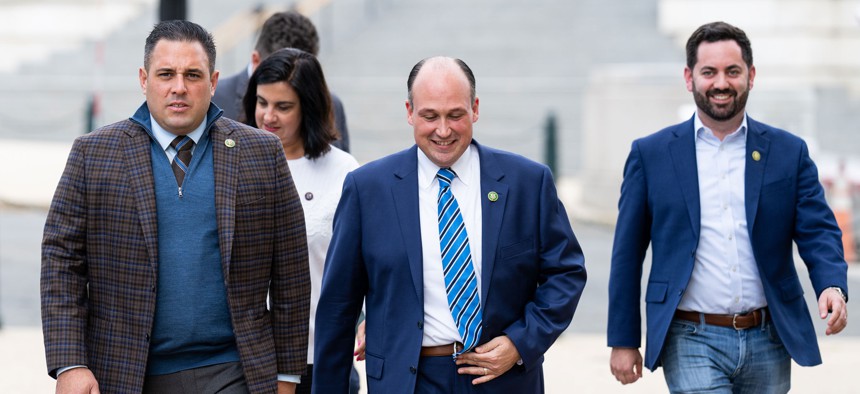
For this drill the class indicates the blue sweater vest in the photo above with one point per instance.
(192, 325)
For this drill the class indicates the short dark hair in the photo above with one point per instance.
(288, 29)
(179, 30)
(302, 71)
(463, 66)
(718, 31)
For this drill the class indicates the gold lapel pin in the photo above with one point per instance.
(756, 156)
(229, 143)
(493, 196)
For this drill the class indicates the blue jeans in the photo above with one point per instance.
(703, 358)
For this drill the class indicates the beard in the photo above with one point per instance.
(721, 112)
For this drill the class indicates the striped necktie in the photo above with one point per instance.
(183, 145)
(460, 281)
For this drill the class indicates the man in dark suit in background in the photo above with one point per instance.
(720, 198)
(166, 233)
(282, 30)
(493, 279)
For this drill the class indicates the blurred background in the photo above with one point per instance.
(569, 83)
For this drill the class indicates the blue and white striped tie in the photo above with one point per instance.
(460, 281)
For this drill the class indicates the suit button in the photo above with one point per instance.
(153, 289)
(147, 337)
(420, 324)
(412, 370)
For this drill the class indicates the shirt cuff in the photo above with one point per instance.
(289, 378)
(64, 369)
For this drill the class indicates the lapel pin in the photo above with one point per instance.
(229, 143)
(493, 196)
(756, 156)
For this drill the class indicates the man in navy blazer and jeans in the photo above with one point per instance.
(386, 250)
(720, 198)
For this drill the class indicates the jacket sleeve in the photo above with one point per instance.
(632, 236)
(561, 280)
(290, 285)
(64, 276)
(818, 238)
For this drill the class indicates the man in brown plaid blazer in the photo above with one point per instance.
(155, 273)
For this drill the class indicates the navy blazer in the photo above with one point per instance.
(659, 205)
(532, 278)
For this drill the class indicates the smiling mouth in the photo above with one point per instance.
(443, 143)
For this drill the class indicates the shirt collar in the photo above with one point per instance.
(165, 137)
(427, 169)
(702, 130)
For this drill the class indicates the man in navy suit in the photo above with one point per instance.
(386, 250)
(720, 198)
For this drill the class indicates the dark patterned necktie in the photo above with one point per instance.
(183, 145)
(460, 281)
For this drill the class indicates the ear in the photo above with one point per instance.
(409, 110)
(255, 60)
(688, 77)
(752, 76)
(475, 110)
(141, 75)
(214, 82)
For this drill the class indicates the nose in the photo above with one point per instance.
(268, 114)
(179, 84)
(721, 81)
(443, 131)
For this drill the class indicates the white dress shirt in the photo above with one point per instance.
(439, 326)
(725, 277)
(164, 137)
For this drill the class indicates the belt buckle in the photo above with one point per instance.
(735, 322)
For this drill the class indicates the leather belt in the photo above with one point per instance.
(738, 322)
(441, 350)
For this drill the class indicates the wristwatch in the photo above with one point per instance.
(840, 292)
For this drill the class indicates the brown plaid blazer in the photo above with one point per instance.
(100, 255)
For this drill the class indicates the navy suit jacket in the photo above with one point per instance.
(659, 205)
(532, 278)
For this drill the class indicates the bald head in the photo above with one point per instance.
(442, 108)
(441, 64)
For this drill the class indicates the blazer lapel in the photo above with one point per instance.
(225, 162)
(757, 141)
(138, 153)
(404, 191)
(492, 213)
(683, 152)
